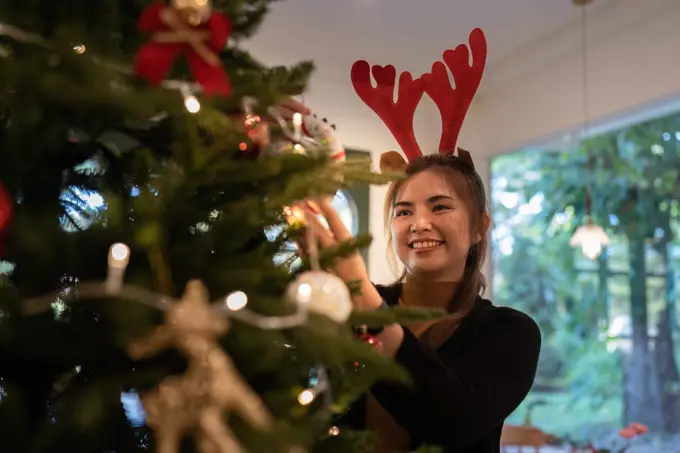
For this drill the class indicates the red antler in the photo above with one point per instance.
(397, 116)
(453, 103)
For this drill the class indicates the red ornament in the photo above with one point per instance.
(171, 36)
(6, 208)
(256, 129)
(371, 340)
(258, 133)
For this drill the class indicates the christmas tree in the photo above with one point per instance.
(138, 182)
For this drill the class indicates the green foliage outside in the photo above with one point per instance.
(611, 335)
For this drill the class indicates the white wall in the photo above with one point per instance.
(535, 96)
(633, 72)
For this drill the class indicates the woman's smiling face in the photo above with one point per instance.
(431, 227)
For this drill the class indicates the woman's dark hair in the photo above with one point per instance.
(463, 179)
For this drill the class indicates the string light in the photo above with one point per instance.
(233, 305)
(304, 292)
(190, 101)
(236, 301)
(321, 136)
(297, 125)
(298, 148)
(119, 258)
(306, 397)
(120, 255)
(295, 216)
(301, 143)
(192, 104)
(187, 90)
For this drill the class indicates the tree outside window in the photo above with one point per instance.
(610, 326)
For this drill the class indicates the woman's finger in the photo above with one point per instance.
(335, 223)
(302, 246)
(321, 234)
(302, 250)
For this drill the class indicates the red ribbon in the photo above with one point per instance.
(155, 58)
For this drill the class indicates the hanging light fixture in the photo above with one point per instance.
(590, 236)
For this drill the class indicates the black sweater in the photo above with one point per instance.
(463, 391)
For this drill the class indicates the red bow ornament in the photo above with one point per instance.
(186, 28)
(5, 215)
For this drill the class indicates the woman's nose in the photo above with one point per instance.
(421, 222)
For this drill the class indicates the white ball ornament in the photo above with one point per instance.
(322, 293)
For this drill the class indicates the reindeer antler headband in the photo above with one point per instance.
(453, 103)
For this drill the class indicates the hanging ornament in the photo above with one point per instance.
(316, 290)
(322, 293)
(6, 210)
(196, 401)
(312, 134)
(371, 340)
(323, 133)
(256, 130)
(190, 28)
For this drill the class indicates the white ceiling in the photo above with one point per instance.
(410, 34)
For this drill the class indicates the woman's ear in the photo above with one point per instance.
(486, 222)
(485, 227)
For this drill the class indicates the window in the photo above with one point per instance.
(611, 338)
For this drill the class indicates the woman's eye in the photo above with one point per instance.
(400, 213)
(440, 207)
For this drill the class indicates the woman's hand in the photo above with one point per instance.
(349, 269)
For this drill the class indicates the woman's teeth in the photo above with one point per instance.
(425, 244)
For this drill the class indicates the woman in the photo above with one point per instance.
(470, 369)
